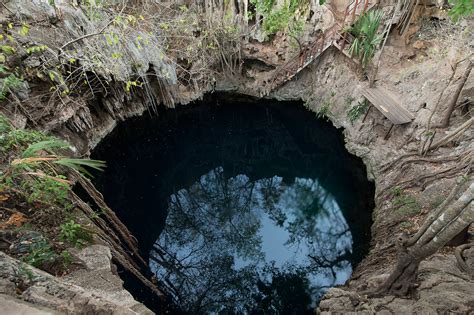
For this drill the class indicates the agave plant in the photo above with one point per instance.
(366, 37)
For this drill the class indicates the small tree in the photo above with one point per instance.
(366, 37)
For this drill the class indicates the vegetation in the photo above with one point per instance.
(460, 9)
(404, 203)
(279, 19)
(366, 38)
(39, 253)
(75, 234)
(324, 111)
(357, 110)
(35, 180)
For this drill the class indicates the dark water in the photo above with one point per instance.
(241, 206)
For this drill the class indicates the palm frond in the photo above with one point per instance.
(366, 38)
(48, 145)
(82, 164)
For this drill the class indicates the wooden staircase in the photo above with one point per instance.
(331, 37)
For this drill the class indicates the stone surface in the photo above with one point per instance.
(443, 288)
(101, 291)
(12, 306)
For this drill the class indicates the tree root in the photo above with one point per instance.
(461, 261)
(453, 135)
(463, 166)
(446, 222)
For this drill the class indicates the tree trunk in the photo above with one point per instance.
(454, 100)
(447, 222)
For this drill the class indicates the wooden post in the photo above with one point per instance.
(387, 135)
(365, 116)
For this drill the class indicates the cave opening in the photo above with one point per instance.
(240, 205)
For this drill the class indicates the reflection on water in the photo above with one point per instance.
(247, 207)
(266, 246)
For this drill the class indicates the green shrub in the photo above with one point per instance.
(324, 111)
(67, 258)
(75, 234)
(47, 190)
(461, 8)
(280, 19)
(7, 84)
(356, 111)
(39, 253)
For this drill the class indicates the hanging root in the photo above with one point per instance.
(117, 225)
(111, 231)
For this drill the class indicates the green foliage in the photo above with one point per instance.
(24, 272)
(406, 224)
(47, 145)
(18, 138)
(79, 164)
(36, 49)
(7, 49)
(52, 144)
(461, 8)
(406, 204)
(47, 190)
(279, 19)
(366, 37)
(67, 258)
(39, 253)
(356, 111)
(24, 30)
(75, 234)
(7, 84)
(325, 110)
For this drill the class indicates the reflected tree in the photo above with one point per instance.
(212, 255)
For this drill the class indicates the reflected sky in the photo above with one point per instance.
(231, 198)
(232, 245)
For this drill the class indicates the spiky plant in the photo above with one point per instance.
(44, 152)
(366, 38)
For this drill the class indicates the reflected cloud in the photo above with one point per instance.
(241, 246)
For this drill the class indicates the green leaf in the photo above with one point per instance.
(81, 164)
(47, 145)
(25, 29)
(8, 50)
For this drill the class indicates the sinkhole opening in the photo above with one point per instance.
(240, 205)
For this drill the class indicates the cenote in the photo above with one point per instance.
(241, 206)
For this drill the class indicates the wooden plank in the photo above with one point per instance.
(388, 105)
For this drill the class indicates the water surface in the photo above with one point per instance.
(241, 206)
